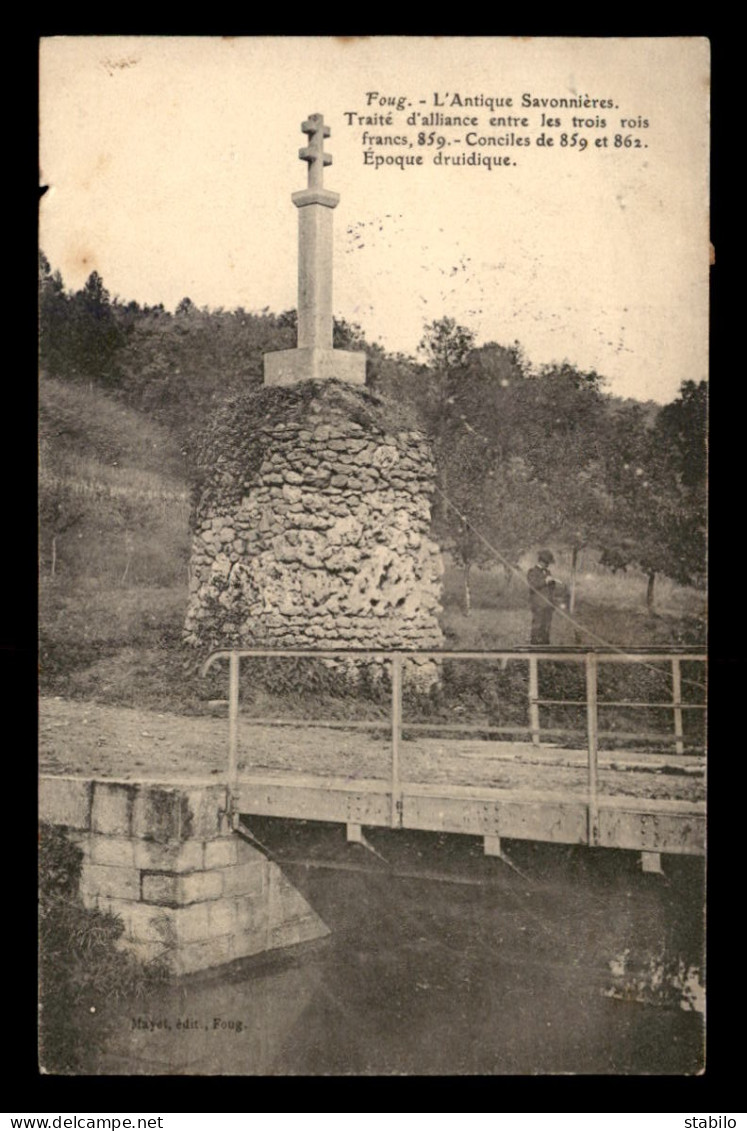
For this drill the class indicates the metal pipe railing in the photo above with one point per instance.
(591, 658)
(396, 740)
(592, 721)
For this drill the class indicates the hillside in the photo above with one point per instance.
(113, 499)
(84, 422)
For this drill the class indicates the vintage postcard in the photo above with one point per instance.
(373, 401)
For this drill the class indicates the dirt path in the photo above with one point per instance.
(89, 739)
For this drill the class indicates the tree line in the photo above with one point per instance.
(524, 455)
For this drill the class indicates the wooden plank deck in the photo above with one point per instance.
(648, 803)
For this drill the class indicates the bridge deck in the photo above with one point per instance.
(646, 802)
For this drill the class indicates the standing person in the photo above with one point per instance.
(542, 597)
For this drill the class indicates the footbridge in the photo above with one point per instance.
(579, 746)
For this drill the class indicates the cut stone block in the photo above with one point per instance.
(101, 880)
(221, 853)
(142, 923)
(245, 879)
(112, 807)
(66, 802)
(288, 367)
(205, 813)
(160, 814)
(177, 890)
(202, 954)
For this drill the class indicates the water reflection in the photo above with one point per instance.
(570, 961)
(657, 979)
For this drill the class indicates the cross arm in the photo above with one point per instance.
(309, 154)
(313, 126)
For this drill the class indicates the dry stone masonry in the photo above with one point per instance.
(311, 526)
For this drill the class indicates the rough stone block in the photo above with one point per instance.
(111, 811)
(65, 801)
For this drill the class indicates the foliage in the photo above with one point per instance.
(446, 344)
(78, 960)
(81, 337)
(53, 318)
(517, 457)
(682, 428)
(656, 479)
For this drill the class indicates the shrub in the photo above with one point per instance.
(78, 959)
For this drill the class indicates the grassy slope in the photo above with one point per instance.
(76, 421)
(113, 492)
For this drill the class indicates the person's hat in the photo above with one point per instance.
(545, 556)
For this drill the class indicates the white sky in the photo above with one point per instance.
(171, 161)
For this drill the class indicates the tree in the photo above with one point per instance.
(541, 434)
(185, 308)
(445, 344)
(347, 336)
(491, 504)
(95, 335)
(564, 425)
(656, 478)
(53, 319)
(683, 428)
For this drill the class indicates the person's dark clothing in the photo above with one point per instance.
(541, 603)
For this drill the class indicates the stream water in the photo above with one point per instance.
(440, 961)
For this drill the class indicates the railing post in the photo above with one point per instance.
(233, 726)
(592, 731)
(396, 739)
(534, 711)
(677, 704)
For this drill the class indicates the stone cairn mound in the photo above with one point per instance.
(311, 526)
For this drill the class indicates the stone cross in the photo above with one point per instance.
(315, 206)
(314, 153)
(314, 356)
